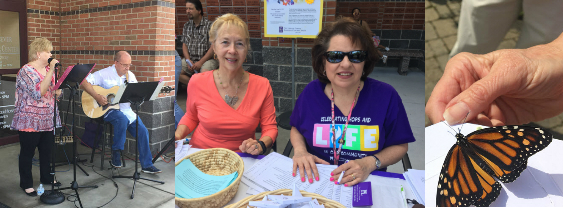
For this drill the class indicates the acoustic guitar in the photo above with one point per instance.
(93, 109)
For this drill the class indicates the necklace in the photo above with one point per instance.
(231, 101)
(343, 137)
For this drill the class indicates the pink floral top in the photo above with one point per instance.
(33, 112)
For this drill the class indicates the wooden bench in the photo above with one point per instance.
(405, 58)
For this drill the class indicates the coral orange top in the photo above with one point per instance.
(219, 124)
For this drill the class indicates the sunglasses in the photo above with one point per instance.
(353, 56)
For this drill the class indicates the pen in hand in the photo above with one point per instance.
(340, 178)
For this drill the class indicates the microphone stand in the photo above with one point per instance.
(52, 196)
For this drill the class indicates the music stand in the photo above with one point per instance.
(74, 77)
(137, 94)
(76, 74)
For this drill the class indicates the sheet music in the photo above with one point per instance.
(157, 91)
(275, 172)
(119, 94)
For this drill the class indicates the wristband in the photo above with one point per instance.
(263, 147)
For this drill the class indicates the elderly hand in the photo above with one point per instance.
(251, 146)
(503, 87)
(356, 171)
(305, 161)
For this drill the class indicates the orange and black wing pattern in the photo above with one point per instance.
(462, 182)
(468, 174)
(506, 149)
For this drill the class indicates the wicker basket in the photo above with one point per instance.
(216, 161)
(287, 192)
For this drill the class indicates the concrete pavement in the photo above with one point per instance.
(147, 194)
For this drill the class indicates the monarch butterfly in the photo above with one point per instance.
(466, 177)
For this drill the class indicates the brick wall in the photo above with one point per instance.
(88, 31)
(387, 15)
(43, 20)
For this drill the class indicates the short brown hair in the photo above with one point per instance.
(350, 29)
(37, 46)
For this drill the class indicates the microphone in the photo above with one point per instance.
(51, 59)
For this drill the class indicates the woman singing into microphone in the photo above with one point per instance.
(33, 114)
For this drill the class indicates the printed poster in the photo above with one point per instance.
(293, 18)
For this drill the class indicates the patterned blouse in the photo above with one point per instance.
(33, 112)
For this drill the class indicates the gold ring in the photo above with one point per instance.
(354, 177)
(256, 146)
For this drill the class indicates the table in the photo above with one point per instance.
(374, 179)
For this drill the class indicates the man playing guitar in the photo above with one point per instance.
(123, 118)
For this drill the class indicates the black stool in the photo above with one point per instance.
(103, 140)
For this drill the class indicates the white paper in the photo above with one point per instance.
(387, 196)
(157, 91)
(119, 94)
(274, 172)
(538, 186)
(415, 179)
(376, 182)
(181, 150)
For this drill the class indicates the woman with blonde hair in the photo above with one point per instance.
(33, 114)
(227, 104)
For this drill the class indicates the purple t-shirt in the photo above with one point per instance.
(379, 120)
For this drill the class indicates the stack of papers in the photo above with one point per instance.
(415, 179)
(296, 200)
(192, 183)
(275, 171)
(181, 150)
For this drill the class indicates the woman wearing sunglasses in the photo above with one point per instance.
(371, 126)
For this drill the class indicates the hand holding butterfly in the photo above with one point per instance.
(503, 87)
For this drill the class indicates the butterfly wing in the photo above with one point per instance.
(506, 149)
(462, 182)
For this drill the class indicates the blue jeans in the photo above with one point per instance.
(178, 71)
(178, 113)
(120, 123)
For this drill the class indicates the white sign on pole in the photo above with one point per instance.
(293, 18)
